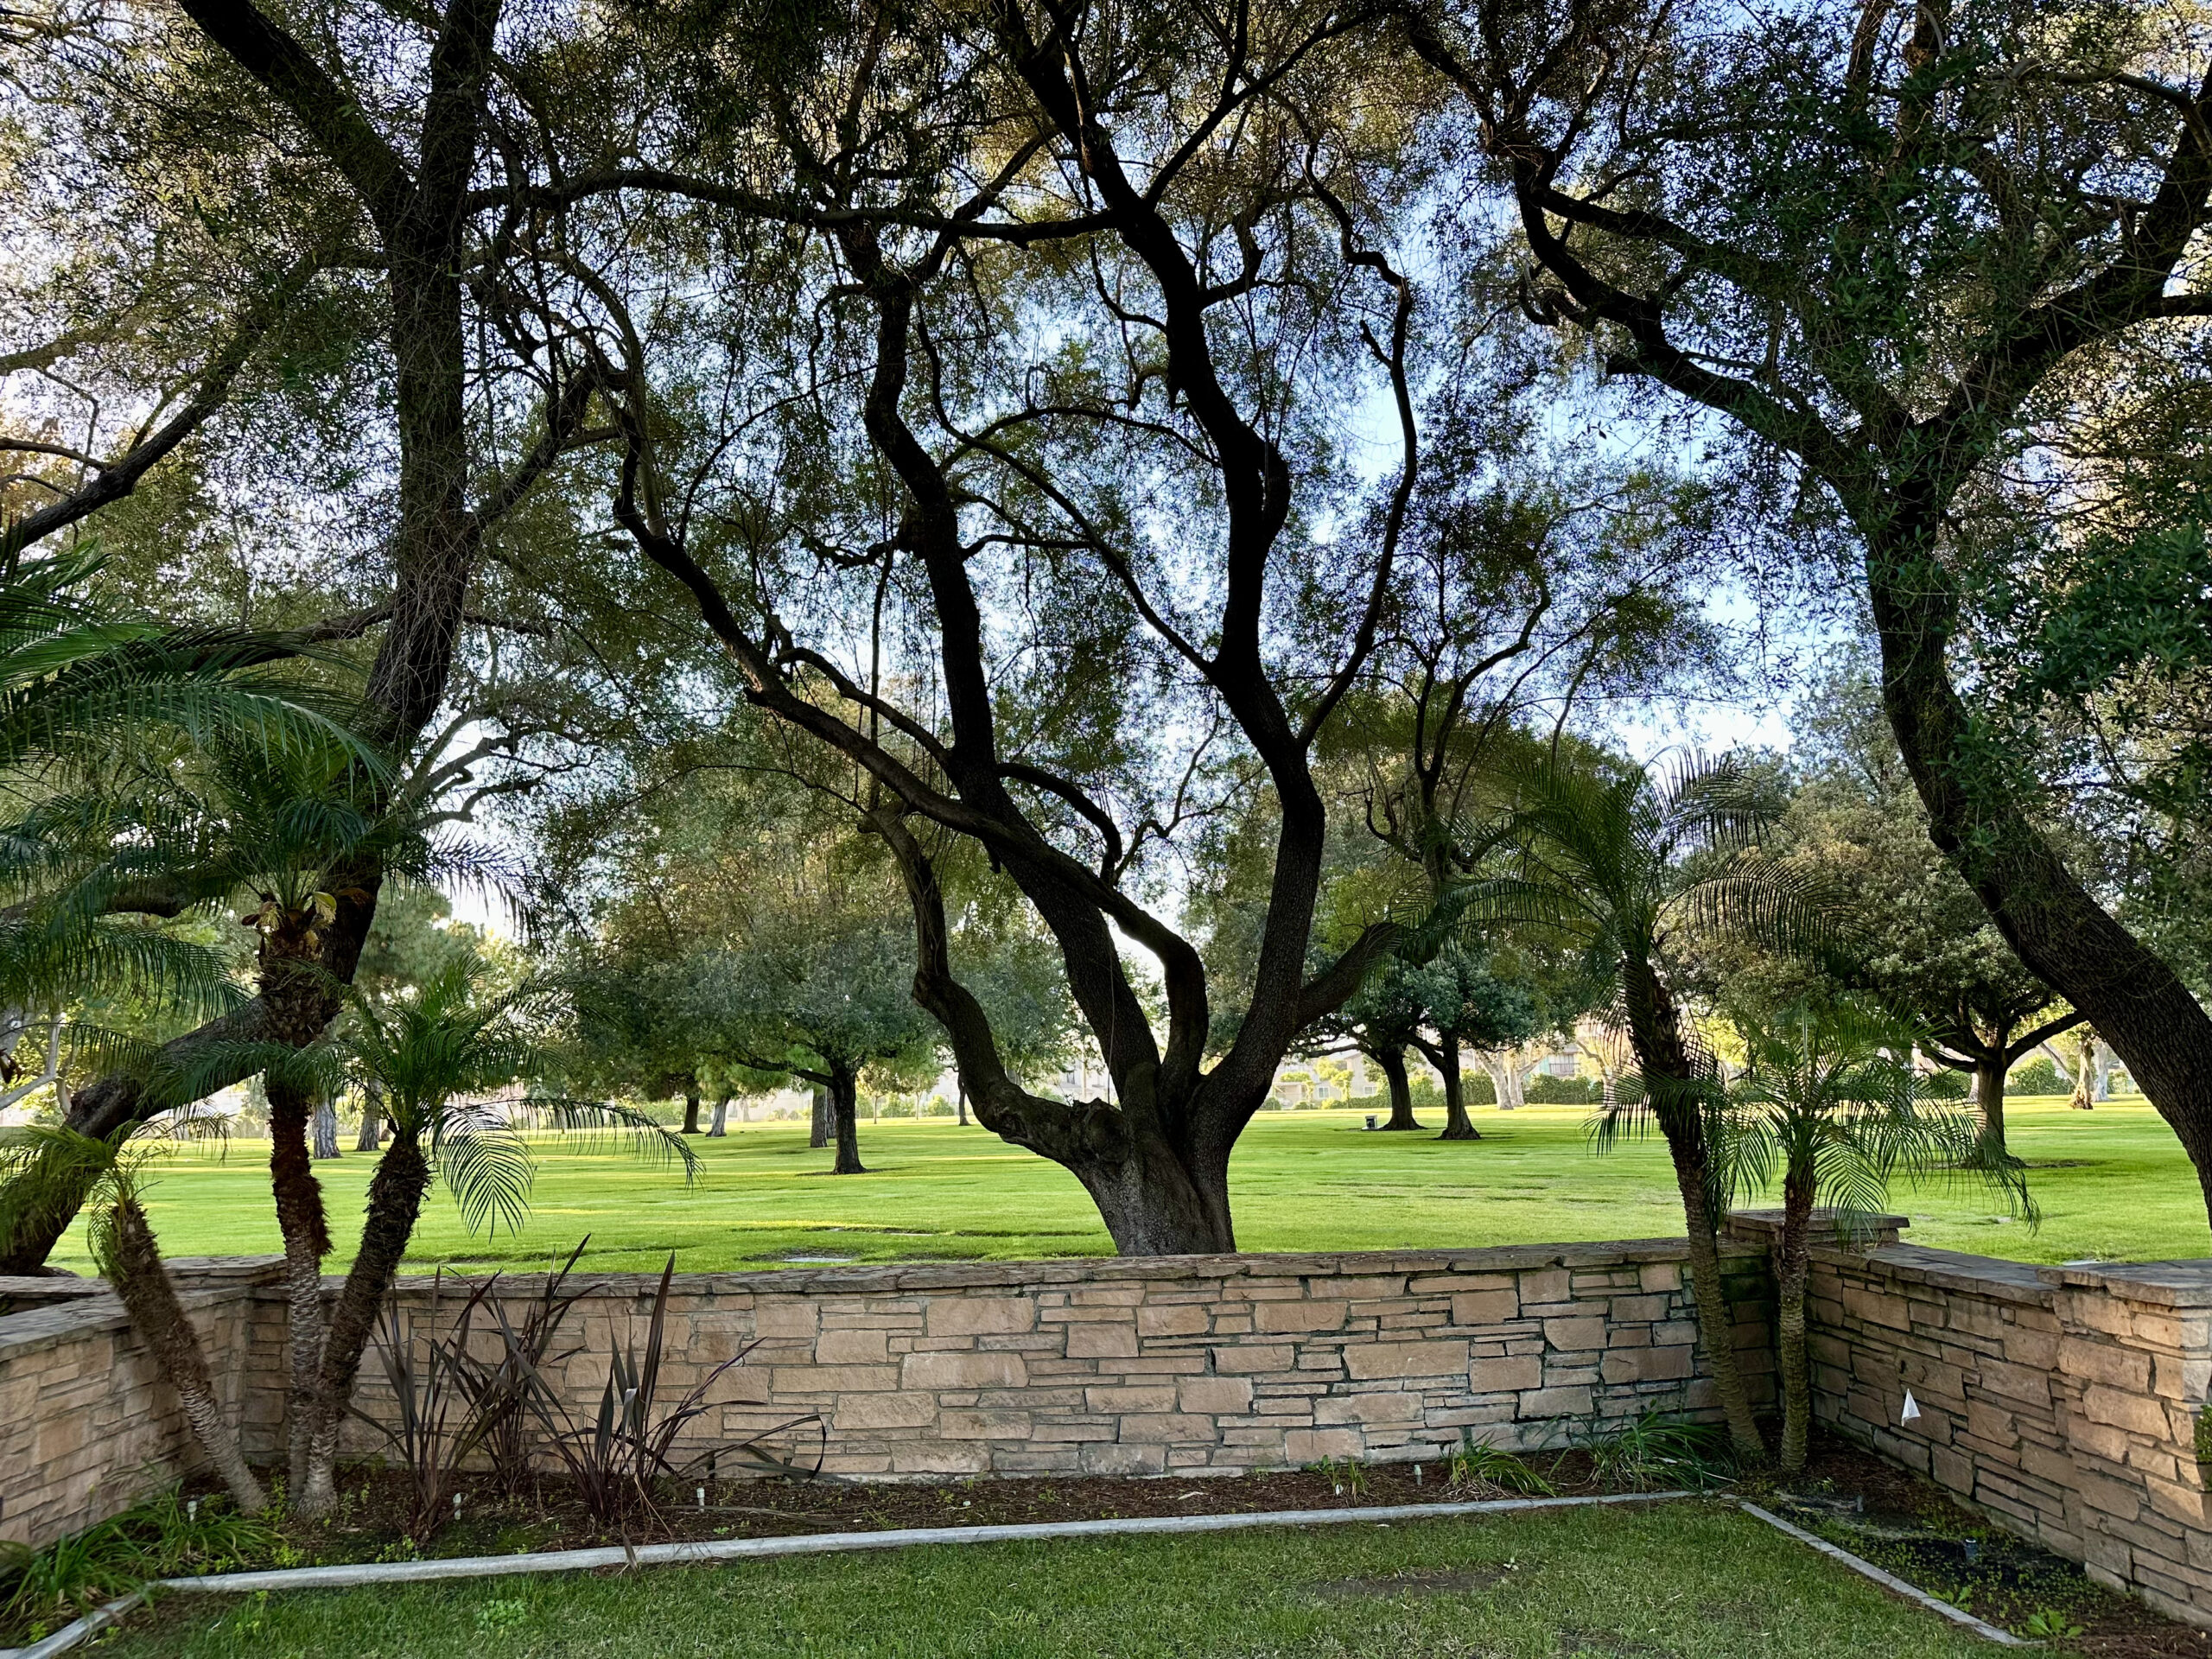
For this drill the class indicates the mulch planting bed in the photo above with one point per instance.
(1907, 1527)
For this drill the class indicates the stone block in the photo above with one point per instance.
(1303, 1445)
(1141, 1427)
(1342, 1408)
(851, 1348)
(785, 1316)
(1187, 1319)
(1639, 1310)
(1255, 1359)
(1541, 1284)
(1221, 1395)
(1118, 1458)
(1278, 1318)
(963, 1370)
(834, 1379)
(939, 1458)
(1099, 1339)
(867, 1411)
(1365, 1361)
(1575, 1335)
(2107, 1363)
(980, 1316)
(1622, 1365)
(1485, 1307)
(1155, 1396)
(2138, 1414)
(1508, 1375)
(1557, 1402)
(964, 1425)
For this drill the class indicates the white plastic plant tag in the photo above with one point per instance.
(1911, 1412)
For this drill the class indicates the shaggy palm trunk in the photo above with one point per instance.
(1656, 1029)
(691, 1113)
(135, 1268)
(395, 1201)
(1392, 1064)
(818, 1127)
(1791, 1272)
(305, 1230)
(1457, 1126)
(845, 1110)
(719, 1129)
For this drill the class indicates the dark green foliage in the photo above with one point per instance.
(1544, 1090)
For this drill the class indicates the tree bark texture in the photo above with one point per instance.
(326, 1128)
(1444, 1055)
(719, 1129)
(395, 1202)
(819, 1121)
(419, 218)
(691, 1112)
(1989, 1070)
(149, 1297)
(1898, 472)
(303, 1226)
(845, 1115)
(1654, 1029)
(1791, 1273)
(371, 1135)
(1392, 1065)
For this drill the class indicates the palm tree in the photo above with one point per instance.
(1826, 1097)
(1621, 863)
(109, 1171)
(98, 713)
(429, 1059)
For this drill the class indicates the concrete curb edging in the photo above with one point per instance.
(1889, 1581)
(732, 1549)
(729, 1549)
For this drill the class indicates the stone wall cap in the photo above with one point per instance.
(1919, 1264)
(2166, 1284)
(891, 1278)
(1767, 1223)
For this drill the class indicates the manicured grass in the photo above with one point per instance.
(1690, 1581)
(2119, 1188)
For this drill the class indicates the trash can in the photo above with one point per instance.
(1370, 1120)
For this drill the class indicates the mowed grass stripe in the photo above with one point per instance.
(1301, 1181)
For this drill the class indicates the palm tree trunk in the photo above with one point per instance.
(1654, 1029)
(1791, 1272)
(149, 1298)
(395, 1201)
(305, 1230)
(845, 1108)
(1391, 1062)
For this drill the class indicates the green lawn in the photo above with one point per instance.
(2116, 1185)
(1682, 1582)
